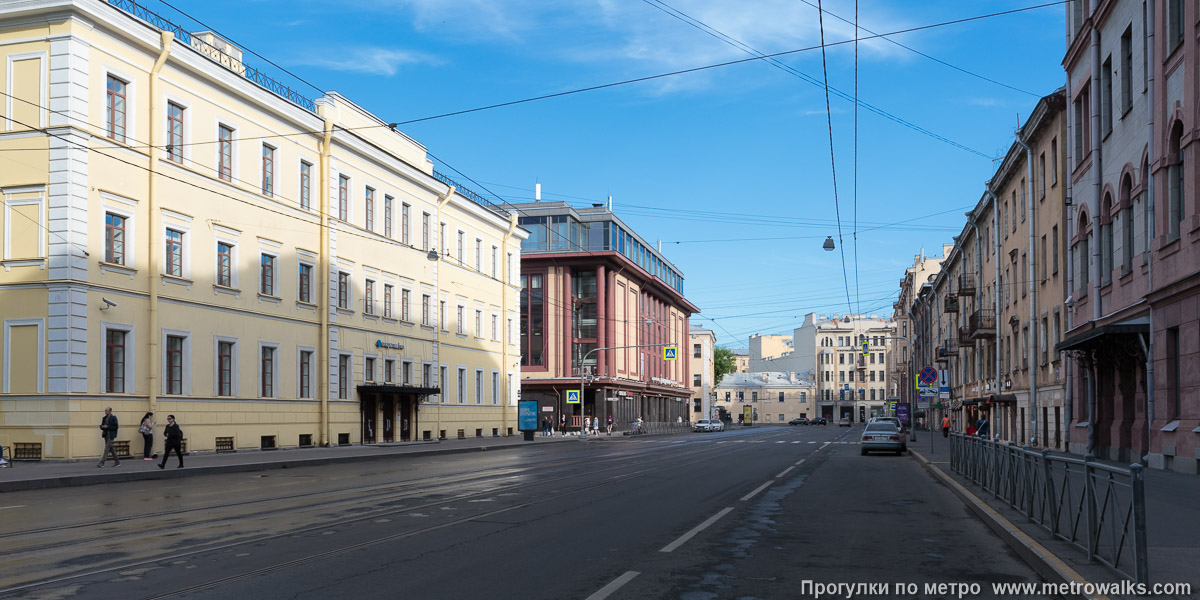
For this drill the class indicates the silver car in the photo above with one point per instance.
(703, 425)
(893, 420)
(883, 436)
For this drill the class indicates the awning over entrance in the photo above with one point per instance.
(398, 389)
(1098, 336)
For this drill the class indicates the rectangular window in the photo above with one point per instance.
(478, 387)
(696, 350)
(306, 368)
(1043, 261)
(225, 153)
(425, 231)
(459, 324)
(267, 372)
(1024, 192)
(369, 201)
(442, 315)
(266, 283)
(1054, 161)
(115, 109)
(406, 373)
(305, 277)
(495, 328)
(114, 365)
(114, 239)
(343, 198)
(389, 204)
(369, 298)
(389, 291)
(405, 300)
(696, 380)
(426, 373)
(268, 170)
(343, 290)
(1054, 250)
(224, 264)
(460, 249)
(479, 255)
(343, 376)
(224, 368)
(495, 260)
(369, 368)
(174, 243)
(1174, 25)
(1082, 114)
(1106, 96)
(425, 309)
(495, 388)
(305, 185)
(443, 384)
(462, 385)
(479, 323)
(174, 132)
(1127, 70)
(174, 366)
(405, 216)
(389, 371)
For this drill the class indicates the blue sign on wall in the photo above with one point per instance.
(902, 413)
(527, 415)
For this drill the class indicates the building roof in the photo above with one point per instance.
(767, 379)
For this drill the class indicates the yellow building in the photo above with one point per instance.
(182, 234)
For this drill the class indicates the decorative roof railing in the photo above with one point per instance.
(468, 193)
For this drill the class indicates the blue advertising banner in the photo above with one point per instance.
(527, 415)
(902, 414)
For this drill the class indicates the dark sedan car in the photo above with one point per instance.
(818, 421)
(799, 421)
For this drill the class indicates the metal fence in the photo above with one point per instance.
(1097, 507)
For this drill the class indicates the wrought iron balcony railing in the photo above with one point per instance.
(982, 324)
(966, 284)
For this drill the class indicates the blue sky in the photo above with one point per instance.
(729, 167)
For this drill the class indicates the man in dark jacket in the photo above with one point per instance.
(108, 431)
(174, 442)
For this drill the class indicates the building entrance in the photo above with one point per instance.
(368, 422)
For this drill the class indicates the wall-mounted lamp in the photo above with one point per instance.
(433, 255)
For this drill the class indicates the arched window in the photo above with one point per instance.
(1106, 240)
(1082, 255)
(1127, 223)
(1174, 181)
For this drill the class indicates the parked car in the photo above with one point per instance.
(883, 436)
(799, 421)
(893, 420)
(704, 425)
(844, 423)
(717, 425)
(818, 421)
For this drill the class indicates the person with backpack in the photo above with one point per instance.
(174, 442)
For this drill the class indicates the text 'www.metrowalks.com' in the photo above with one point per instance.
(817, 589)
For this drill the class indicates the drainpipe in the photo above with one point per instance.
(153, 279)
(1149, 184)
(1068, 212)
(324, 273)
(1032, 341)
(995, 275)
(1097, 169)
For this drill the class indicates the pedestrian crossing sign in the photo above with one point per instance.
(669, 353)
(572, 396)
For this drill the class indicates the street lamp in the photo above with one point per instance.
(828, 245)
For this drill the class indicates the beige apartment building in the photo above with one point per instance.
(899, 366)
(702, 367)
(184, 235)
(771, 397)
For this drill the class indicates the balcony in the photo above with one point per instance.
(966, 284)
(950, 305)
(964, 337)
(982, 325)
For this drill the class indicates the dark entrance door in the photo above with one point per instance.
(367, 407)
(405, 418)
(389, 419)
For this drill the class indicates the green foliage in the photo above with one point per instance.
(723, 363)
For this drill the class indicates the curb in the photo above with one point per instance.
(172, 473)
(1045, 562)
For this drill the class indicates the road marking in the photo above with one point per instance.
(812, 442)
(614, 585)
(756, 490)
(800, 461)
(784, 472)
(13, 506)
(697, 529)
(758, 441)
(825, 444)
(781, 442)
(796, 442)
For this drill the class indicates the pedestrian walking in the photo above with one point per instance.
(596, 426)
(610, 424)
(981, 428)
(583, 427)
(545, 426)
(174, 441)
(147, 431)
(562, 425)
(946, 426)
(108, 431)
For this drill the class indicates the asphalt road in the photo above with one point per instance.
(747, 513)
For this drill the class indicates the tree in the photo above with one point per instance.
(723, 364)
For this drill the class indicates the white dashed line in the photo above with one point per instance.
(781, 442)
(784, 472)
(756, 491)
(800, 461)
(614, 585)
(695, 530)
(812, 442)
(13, 506)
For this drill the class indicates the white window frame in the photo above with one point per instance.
(130, 355)
(234, 172)
(479, 390)
(274, 172)
(44, 86)
(337, 380)
(369, 374)
(185, 384)
(462, 384)
(312, 278)
(186, 154)
(40, 200)
(275, 270)
(274, 346)
(369, 299)
(41, 352)
(183, 224)
(495, 387)
(312, 371)
(234, 379)
(406, 368)
(234, 279)
(442, 377)
(117, 205)
(389, 370)
(313, 184)
(131, 96)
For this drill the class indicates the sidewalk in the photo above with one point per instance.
(1172, 520)
(53, 474)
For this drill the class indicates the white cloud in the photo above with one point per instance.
(370, 60)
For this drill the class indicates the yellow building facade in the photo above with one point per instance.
(182, 234)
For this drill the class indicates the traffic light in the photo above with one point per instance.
(842, 394)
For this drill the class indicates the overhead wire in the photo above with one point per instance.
(857, 299)
(832, 161)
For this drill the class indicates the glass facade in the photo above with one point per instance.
(563, 233)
